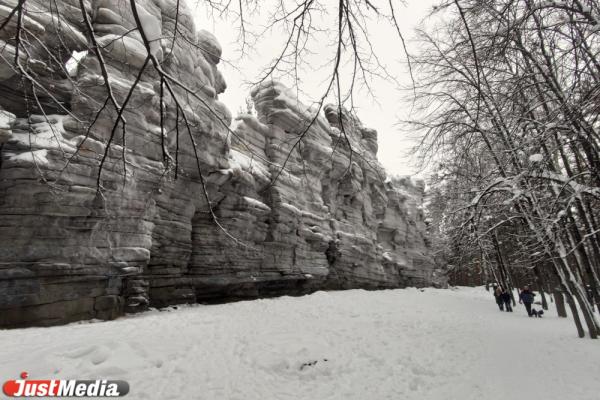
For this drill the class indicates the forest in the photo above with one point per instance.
(509, 98)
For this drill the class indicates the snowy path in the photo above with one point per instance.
(400, 344)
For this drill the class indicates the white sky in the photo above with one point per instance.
(382, 113)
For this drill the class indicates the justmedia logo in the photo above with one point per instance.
(64, 388)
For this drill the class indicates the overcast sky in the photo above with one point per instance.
(382, 113)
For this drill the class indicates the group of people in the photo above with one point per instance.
(526, 297)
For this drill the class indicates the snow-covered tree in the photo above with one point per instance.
(508, 95)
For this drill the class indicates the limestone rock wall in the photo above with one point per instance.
(296, 209)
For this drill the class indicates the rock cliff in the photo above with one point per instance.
(100, 216)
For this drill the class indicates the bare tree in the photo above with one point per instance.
(509, 104)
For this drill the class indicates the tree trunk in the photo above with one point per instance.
(584, 305)
(574, 312)
(573, 287)
(560, 303)
(541, 282)
(544, 301)
(503, 270)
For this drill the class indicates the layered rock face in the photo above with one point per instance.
(101, 215)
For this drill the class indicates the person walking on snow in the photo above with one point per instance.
(505, 296)
(498, 295)
(526, 297)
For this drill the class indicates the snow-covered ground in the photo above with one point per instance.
(396, 344)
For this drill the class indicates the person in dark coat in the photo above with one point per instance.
(498, 295)
(505, 296)
(526, 297)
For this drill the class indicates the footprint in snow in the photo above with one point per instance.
(81, 352)
(100, 355)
